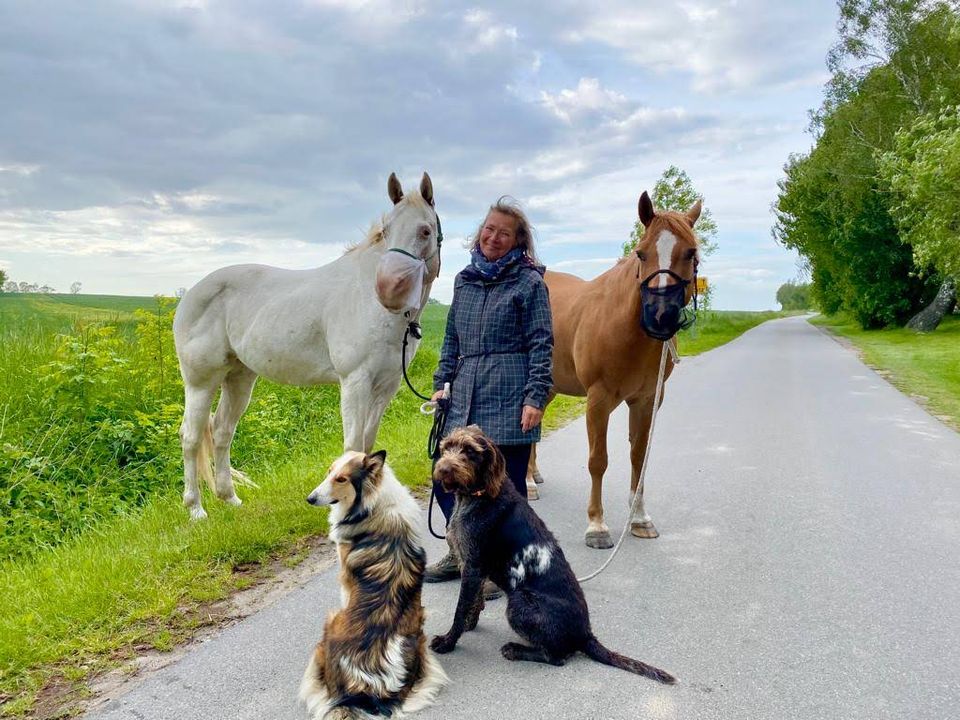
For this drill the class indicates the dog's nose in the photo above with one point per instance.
(312, 499)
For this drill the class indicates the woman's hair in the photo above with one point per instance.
(509, 206)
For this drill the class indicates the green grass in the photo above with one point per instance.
(924, 365)
(61, 311)
(138, 574)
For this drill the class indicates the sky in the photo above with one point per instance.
(144, 144)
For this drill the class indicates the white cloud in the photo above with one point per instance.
(488, 33)
(589, 97)
(724, 45)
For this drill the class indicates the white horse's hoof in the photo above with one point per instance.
(599, 539)
(233, 500)
(644, 529)
(532, 492)
(198, 513)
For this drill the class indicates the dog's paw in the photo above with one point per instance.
(509, 651)
(442, 644)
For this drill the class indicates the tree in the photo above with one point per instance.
(675, 191)
(10, 287)
(923, 172)
(895, 60)
(794, 296)
(75, 287)
(3, 277)
(900, 34)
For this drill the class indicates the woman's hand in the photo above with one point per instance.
(530, 418)
(436, 396)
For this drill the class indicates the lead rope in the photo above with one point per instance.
(439, 408)
(668, 346)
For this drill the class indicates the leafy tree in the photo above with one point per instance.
(11, 287)
(674, 191)
(75, 287)
(794, 296)
(923, 171)
(3, 278)
(895, 58)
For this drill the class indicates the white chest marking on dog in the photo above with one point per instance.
(665, 245)
(532, 560)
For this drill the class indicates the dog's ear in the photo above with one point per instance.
(373, 464)
(493, 467)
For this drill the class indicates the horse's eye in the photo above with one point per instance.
(425, 232)
(642, 256)
(691, 254)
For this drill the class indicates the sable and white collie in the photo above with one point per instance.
(373, 659)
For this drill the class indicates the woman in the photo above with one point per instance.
(497, 349)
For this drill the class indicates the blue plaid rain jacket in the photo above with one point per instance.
(497, 351)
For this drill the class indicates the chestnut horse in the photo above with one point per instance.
(602, 350)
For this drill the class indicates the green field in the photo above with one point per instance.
(99, 559)
(925, 366)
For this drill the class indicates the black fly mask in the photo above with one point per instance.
(663, 312)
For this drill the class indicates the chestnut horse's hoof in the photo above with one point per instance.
(599, 539)
(644, 530)
(532, 492)
(537, 477)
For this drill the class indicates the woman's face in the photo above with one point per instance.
(498, 236)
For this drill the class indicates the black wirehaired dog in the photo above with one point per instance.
(498, 535)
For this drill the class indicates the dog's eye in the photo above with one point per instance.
(341, 479)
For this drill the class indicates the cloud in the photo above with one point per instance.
(723, 45)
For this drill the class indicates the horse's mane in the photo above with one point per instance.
(375, 233)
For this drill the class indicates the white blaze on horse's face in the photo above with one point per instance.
(665, 244)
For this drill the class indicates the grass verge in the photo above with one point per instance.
(925, 366)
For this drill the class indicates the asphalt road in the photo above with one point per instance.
(807, 565)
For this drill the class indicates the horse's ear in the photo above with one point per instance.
(426, 189)
(693, 214)
(645, 208)
(393, 189)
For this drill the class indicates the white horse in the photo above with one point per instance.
(340, 323)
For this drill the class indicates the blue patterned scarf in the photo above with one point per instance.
(492, 270)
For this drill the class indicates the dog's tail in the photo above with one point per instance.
(595, 651)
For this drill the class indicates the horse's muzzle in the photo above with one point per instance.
(662, 308)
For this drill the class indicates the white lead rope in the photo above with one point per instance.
(669, 344)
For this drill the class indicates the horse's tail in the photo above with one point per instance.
(595, 651)
(205, 455)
